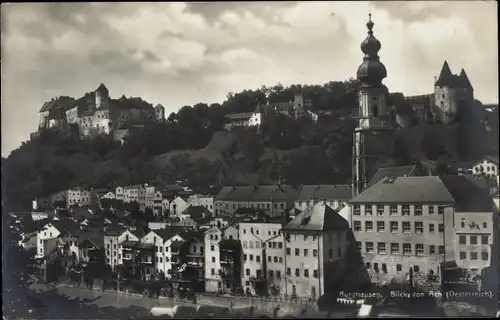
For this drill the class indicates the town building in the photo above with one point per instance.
(60, 235)
(112, 243)
(404, 223)
(393, 171)
(489, 166)
(191, 269)
(177, 206)
(375, 131)
(206, 201)
(336, 196)
(274, 200)
(263, 256)
(213, 268)
(316, 245)
(144, 194)
(245, 119)
(78, 197)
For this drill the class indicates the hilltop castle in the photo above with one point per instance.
(96, 113)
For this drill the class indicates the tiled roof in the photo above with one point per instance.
(136, 186)
(427, 189)
(256, 193)
(176, 244)
(196, 212)
(66, 225)
(400, 171)
(324, 191)
(282, 106)
(94, 237)
(229, 243)
(170, 231)
(319, 217)
(492, 158)
(130, 243)
(239, 116)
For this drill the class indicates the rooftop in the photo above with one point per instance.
(324, 191)
(319, 217)
(239, 116)
(400, 171)
(256, 193)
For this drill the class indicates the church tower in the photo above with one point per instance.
(375, 131)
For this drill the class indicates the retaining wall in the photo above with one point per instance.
(260, 305)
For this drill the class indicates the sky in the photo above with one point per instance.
(180, 54)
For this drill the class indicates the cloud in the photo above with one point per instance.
(179, 54)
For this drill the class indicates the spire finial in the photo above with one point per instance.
(370, 23)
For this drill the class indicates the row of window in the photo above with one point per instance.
(473, 239)
(418, 226)
(313, 202)
(475, 256)
(393, 210)
(473, 224)
(306, 252)
(399, 268)
(395, 248)
(305, 273)
(254, 205)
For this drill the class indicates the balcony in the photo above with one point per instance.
(227, 262)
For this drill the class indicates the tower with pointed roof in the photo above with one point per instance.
(101, 96)
(451, 92)
(160, 113)
(375, 131)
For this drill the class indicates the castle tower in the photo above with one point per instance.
(374, 135)
(101, 96)
(450, 92)
(160, 113)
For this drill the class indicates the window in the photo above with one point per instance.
(357, 210)
(462, 240)
(380, 210)
(473, 239)
(247, 272)
(271, 273)
(244, 257)
(407, 248)
(315, 273)
(416, 269)
(406, 227)
(368, 225)
(306, 273)
(463, 255)
(250, 256)
(441, 249)
(432, 249)
(212, 271)
(375, 110)
(278, 274)
(280, 245)
(369, 247)
(394, 226)
(393, 209)
(462, 224)
(305, 238)
(297, 252)
(484, 256)
(399, 268)
(418, 210)
(431, 228)
(419, 227)
(440, 210)
(288, 251)
(289, 271)
(419, 249)
(484, 239)
(368, 210)
(357, 225)
(305, 252)
(315, 253)
(375, 267)
(275, 259)
(441, 227)
(473, 255)
(358, 246)
(257, 258)
(297, 272)
(281, 259)
(384, 268)
(431, 209)
(485, 224)
(406, 210)
(380, 226)
(381, 248)
(394, 248)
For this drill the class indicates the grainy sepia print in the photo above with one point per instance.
(294, 159)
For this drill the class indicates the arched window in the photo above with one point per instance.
(375, 110)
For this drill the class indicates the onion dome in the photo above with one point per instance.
(371, 71)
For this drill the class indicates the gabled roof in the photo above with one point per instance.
(324, 191)
(66, 226)
(256, 193)
(447, 78)
(493, 158)
(196, 212)
(399, 171)
(170, 232)
(102, 88)
(319, 217)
